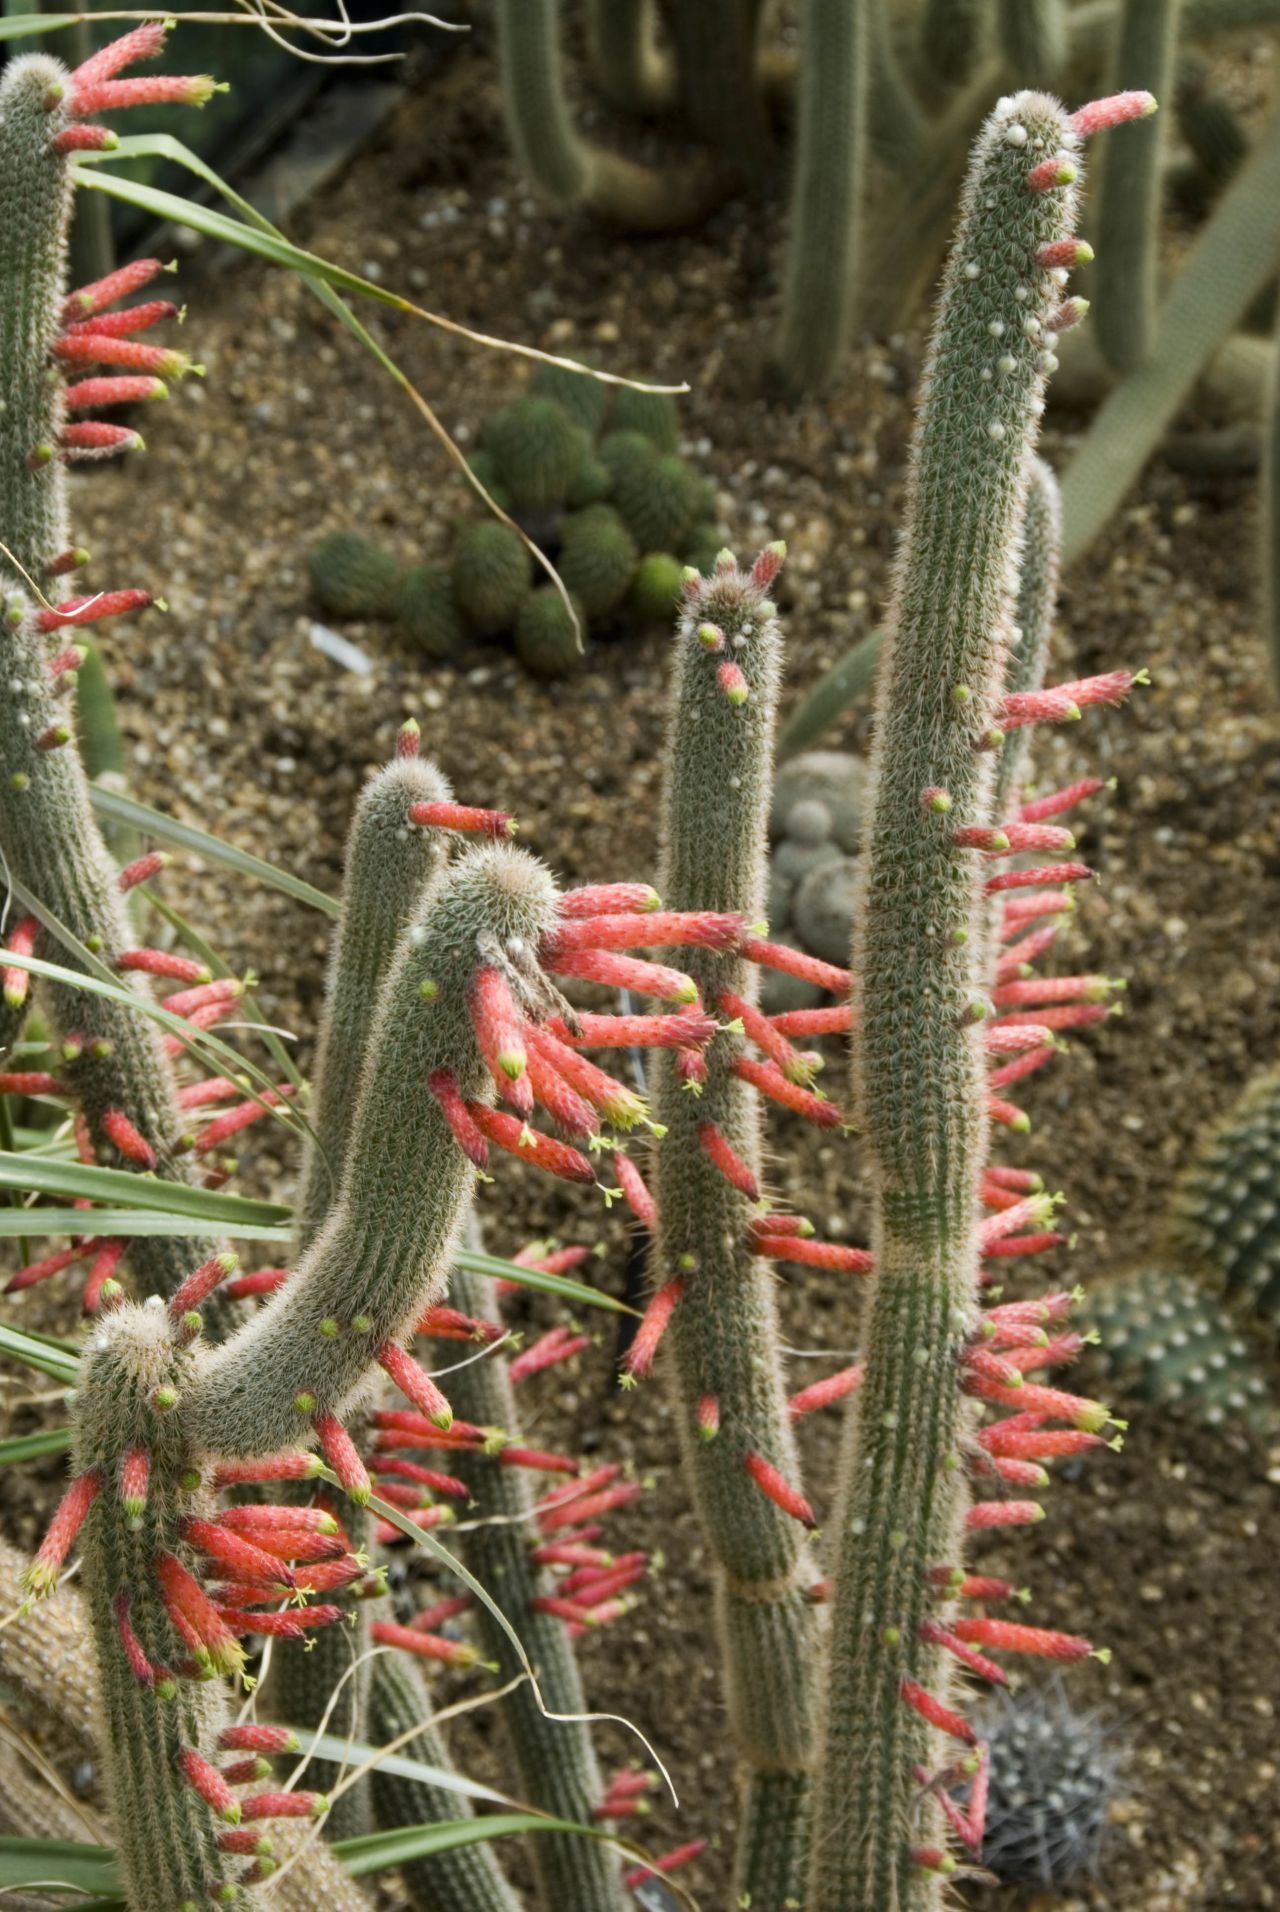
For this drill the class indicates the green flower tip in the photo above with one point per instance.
(305, 1403)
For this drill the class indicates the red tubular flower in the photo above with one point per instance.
(209, 1783)
(427, 1476)
(294, 1464)
(834, 1020)
(498, 1026)
(223, 989)
(243, 1116)
(36, 1271)
(262, 1281)
(1064, 252)
(141, 43)
(1054, 1354)
(93, 298)
(41, 1575)
(435, 1616)
(300, 1542)
(160, 962)
(84, 139)
(123, 325)
(935, 1713)
(1008, 1114)
(1113, 111)
(340, 1451)
(101, 1272)
(1014, 1245)
(1043, 875)
(689, 1030)
(284, 1805)
(536, 1460)
(594, 1589)
(1015, 1039)
(722, 1156)
(1057, 801)
(779, 1491)
(89, 393)
(795, 962)
(622, 1106)
(444, 1087)
(465, 818)
(589, 1507)
(1018, 959)
(143, 869)
(625, 972)
(135, 1479)
(830, 1255)
(1019, 911)
(708, 1417)
(635, 1190)
(1069, 1015)
(428, 1646)
(240, 1557)
(662, 929)
(563, 1104)
(415, 1384)
(256, 1518)
(668, 1862)
(197, 1287)
(1030, 1208)
(1033, 1398)
(1037, 990)
(91, 438)
(157, 89)
(638, 1360)
(691, 1067)
(793, 1226)
(819, 1394)
(971, 1586)
(1002, 1513)
(1064, 701)
(450, 1324)
(1037, 1443)
(195, 1618)
(561, 1609)
(92, 347)
(530, 1145)
(934, 1635)
(120, 1130)
(246, 1841)
(547, 1351)
(22, 942)
(608, 899)
(139, 1665)
(1006, 1636)
(759, 1029)
(247, 1772)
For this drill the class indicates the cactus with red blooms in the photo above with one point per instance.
(897, 1747)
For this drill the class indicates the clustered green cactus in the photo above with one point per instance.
(620, 514)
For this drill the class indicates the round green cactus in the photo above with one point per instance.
(584, 399)
(426, 611)
(484, 467)
(597, 560)
(618, 450)
(659, 498)
(546, 642)
(655, 588)
(701, 547)
(1168, 1342)
(352, 576)
(1225, 1216)
(591, 482)
(490, 577)
(653, 414)
(537, 449)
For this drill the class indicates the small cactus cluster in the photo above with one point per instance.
(1054, 1774)
(1224, 1218)
(603, 491)
(1166, 1339)
(815, 821)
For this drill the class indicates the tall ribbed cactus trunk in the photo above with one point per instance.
(1132, 181)
(111, 1057)
(826, 205)
(920, 964)
(730, 1393)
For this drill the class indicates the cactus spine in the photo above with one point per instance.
(724, 1330)
(918, 1076)
(826, 212)
(1129, 211)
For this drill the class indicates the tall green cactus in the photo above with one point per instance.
(1132, 178)
(730, 1393)
(1034, 611)
(1033, 40)
(630, 66)
(113, 1059)
(1269, 540)
(921, 983)
(823, 249)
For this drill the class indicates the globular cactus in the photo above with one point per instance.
(353, 576)
(113, 1061)
(655, 588)
(700, 548)
(1224, 1215)
(591, 482)
(426, 612)
(1055, 1774)
(1166, 1338)
(484, 468)
(824, 242)
(490, 577)
(1132, 182)
(597, 559)
(658, 496)
(547, 643)
(653, 414)
(920, 1089)
(537, 451)
(585, 399)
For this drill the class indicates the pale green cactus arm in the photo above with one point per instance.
(1034, 612)
(1033, 40)
(1270, 530)
(1132, 177)
(630, 65)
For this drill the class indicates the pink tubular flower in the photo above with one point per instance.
(262, 1281)
(141, 43)
(1002, 1513)
(444, 1087)
(209, 1783)
(1076, 1015)
(530, 1145)
(820, 1394)
(93, 298)
(1013, 1039)
(732, 682)
(91, 347)
(1036, 990)
(84, 139)
(1041, 875)
(1007, 1636)
(833, 1256)
(723, 1156)
(563, 1104)
(431, 1618)
(139, 1665)
(415, 1384)
(536, 1460)
(161, 962)
(935, 1635)
(708, 1417)
(22, 942)
(1065, 701)
(235, 1554)
(935, 1713)
(91, 438)
(1038, 836)
(779, 1490)
(195, 1619)
(547, 1351)
(1008, 1114)
(243, 1116)
(608, 899)
(89, 393)
(831, 1021)
(625, 972)
(1057, 171)
(1057, 801)
(36, 1271)
(450, 1324)
(614, 1100)
(661, 929)
(1021, 1067)
(294, 1464)
(1037, 1443)
(90, 610)
(123, 325)
(795, 962)
(143, 869)
(1064, 252)
(464, 818)
(41, 1575)
(427, 1646)
(197, 1287)
(120, 1131)
(32, 1082)
(222, 989)
(635, 1190)
(669, 1861)
(1113, 111)
(340, 1451)
(135, 1480)
(638, 1360)
(157, 89)
(284, 1805)
(498, 1026)
(101, 1272)
(687, 1030)
(794, 1065)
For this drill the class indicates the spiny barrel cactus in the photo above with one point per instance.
(113, 1060)
(490, 577)
(546, 641)
(653, 414)
(597, 559)
(1055, 1775)
(352, 576)
(1164, 1337)
(655, 588)
(537, 450)
(426, 612)
(1224, 1216)
(920, 1087)
(584, 399)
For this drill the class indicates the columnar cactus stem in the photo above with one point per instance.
(1132, 179)
(826, 212)
(724, 1333)
(1034, 612)
(631, 68)
(878, 1843)
(1033, 39)
(718, 38)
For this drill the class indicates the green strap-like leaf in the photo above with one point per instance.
(375, 1851)
(32, 1447)
(114, 808)
(86, 1181)
(34, 1354)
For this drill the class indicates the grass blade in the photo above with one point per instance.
(114, 808)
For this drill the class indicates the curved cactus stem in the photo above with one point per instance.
(823, 245)
(1226, 271)
(468, 1879)
(558, 1769)
(896, 122)
(632, 69)
(715, 49)
(564, 167)
(919, 1076)
(723, 1331)
(952, 37)
(1132, 174)
(1033, 40)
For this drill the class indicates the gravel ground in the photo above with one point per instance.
(234, 721)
